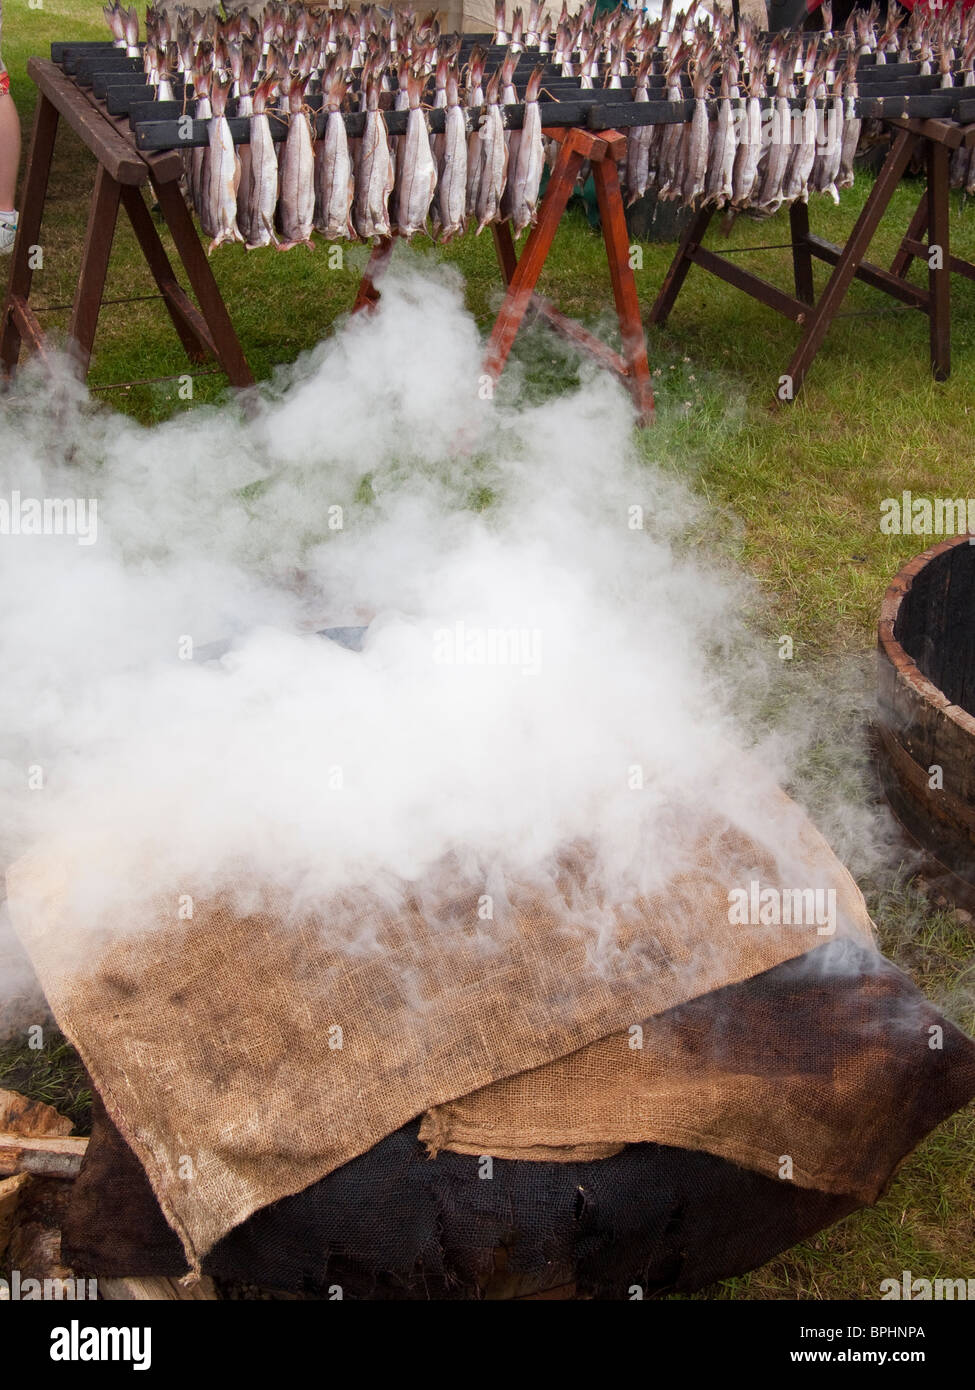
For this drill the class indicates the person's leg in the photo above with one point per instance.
(9, 150)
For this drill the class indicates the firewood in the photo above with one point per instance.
(156, 1290)
(19, 1115)
(51, 1157)
(11, 1190)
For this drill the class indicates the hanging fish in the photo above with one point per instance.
(451, 201)
(796, 184)
(200, 158)
(694, 152)
(245, 109)
(851, 125)
(779, 151)
(672, 134)
(509, 97)
(439, 101)
(475, 99)
(639, 139)
(525, 171)
(416, 173)
(745, 173)
(262, 192)
(220, 194)
(374, 168)
(401, 102)
(334, 181)
(297, 196)
(493, 154)
(719, 185)
(826, 166)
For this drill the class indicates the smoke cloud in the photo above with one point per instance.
(546, 662)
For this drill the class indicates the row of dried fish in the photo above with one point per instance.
(750, 155)
(265, 193)
(785, 123)
(604, 47)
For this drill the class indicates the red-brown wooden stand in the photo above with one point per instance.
(122, 172)
(521, 273)
(938, 139)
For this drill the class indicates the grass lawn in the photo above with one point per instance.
(798, 489)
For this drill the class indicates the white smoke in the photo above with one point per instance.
(539, 644)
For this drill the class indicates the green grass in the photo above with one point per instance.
(795, 493)
(805, 481)
(52, 1073)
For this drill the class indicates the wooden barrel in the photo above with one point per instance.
(926, 697)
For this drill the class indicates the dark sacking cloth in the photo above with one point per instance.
(835, 1059)
(394, 1223)
(397, 1224)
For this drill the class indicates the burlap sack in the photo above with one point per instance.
(209, 1040)
(822, 1071)
(394, 1222)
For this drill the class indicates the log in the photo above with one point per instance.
(48, 1158)
(31, 1118)
(11, 1190)
(154, 1290)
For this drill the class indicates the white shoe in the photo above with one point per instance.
(8, 232)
